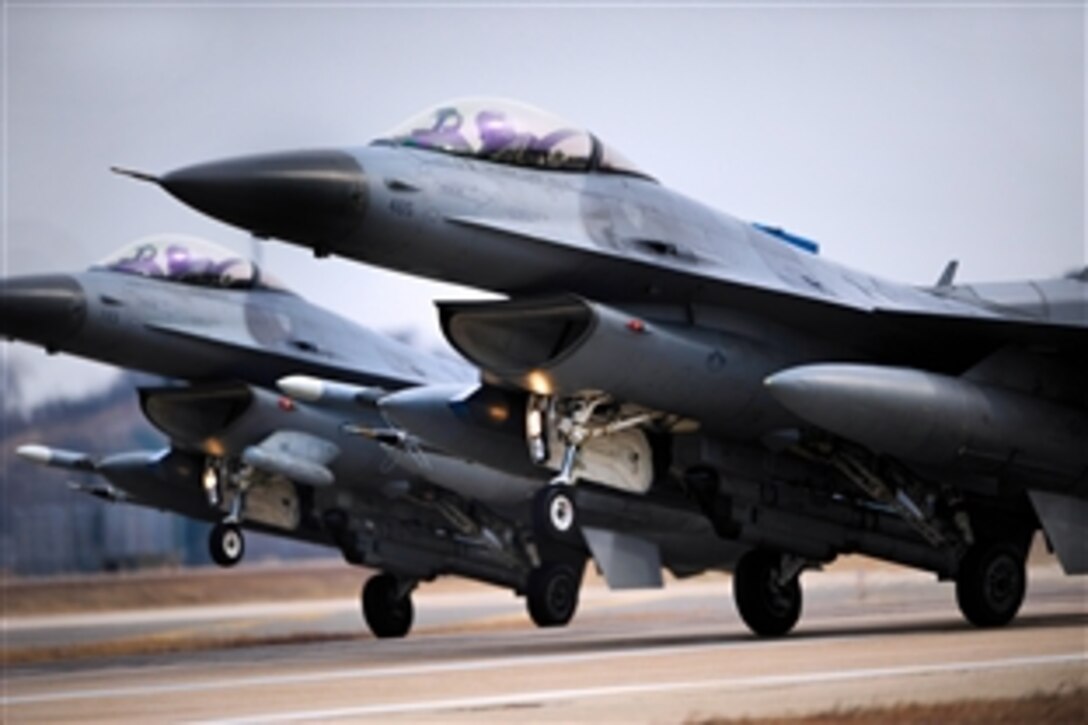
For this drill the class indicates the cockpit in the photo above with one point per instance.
(188, 260)
(508, 132)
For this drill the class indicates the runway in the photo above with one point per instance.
(867, 637)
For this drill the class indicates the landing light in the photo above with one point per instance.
(538, 382)
(210, 479)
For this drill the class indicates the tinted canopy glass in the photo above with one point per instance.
(187, 260)
(506, 132)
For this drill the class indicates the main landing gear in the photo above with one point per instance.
(552, 595)
(387, 606)
(991, 583)
(555, 515)
(767, 591)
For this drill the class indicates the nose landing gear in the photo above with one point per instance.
(226, 544)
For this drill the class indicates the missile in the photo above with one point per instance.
(56, 457)
(930, 418)
(328, 393)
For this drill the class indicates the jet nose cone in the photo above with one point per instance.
(314, 198)
(47, 310)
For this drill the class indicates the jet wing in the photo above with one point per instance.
(889, 323)
(961, 332)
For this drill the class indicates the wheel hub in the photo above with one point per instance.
(1001, 583)
(561, 512)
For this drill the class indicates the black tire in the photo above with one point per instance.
(226, 544)
(555, 517)
(552, 596)
(387, 615)
(991, 584)
(768, 608)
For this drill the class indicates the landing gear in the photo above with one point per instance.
(387, 606)
(991, 583)
(552, 597)
(554, 514)
(226, 544)
(767, 591)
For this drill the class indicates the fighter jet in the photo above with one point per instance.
(660, 347)
(317, 463)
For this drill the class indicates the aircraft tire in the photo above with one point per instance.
(388, 615)
(991, 584)
(226, 544)
(555, 515)
(552, 596)
(768, 608)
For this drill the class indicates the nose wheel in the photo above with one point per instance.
(387, 606)
(555, 515)
(226, 544)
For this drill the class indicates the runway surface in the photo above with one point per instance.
(867, 637)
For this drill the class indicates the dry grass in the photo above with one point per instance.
(179, 588)
(1063, 706)
(159, 645)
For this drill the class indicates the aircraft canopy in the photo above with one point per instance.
(188, 260)
(507, 132)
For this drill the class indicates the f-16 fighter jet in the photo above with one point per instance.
(322, 465)
(655, 346)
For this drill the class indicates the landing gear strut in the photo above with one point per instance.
(226, 544)
(387, 606)
(552, 597)
(767, 592)
(991, 583)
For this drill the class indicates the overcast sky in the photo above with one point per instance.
(898, 135)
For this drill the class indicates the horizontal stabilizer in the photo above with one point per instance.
(1065, 521)
(627, 562)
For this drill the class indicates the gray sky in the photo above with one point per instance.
(897, 135)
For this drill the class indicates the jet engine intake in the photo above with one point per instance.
(565, 346)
